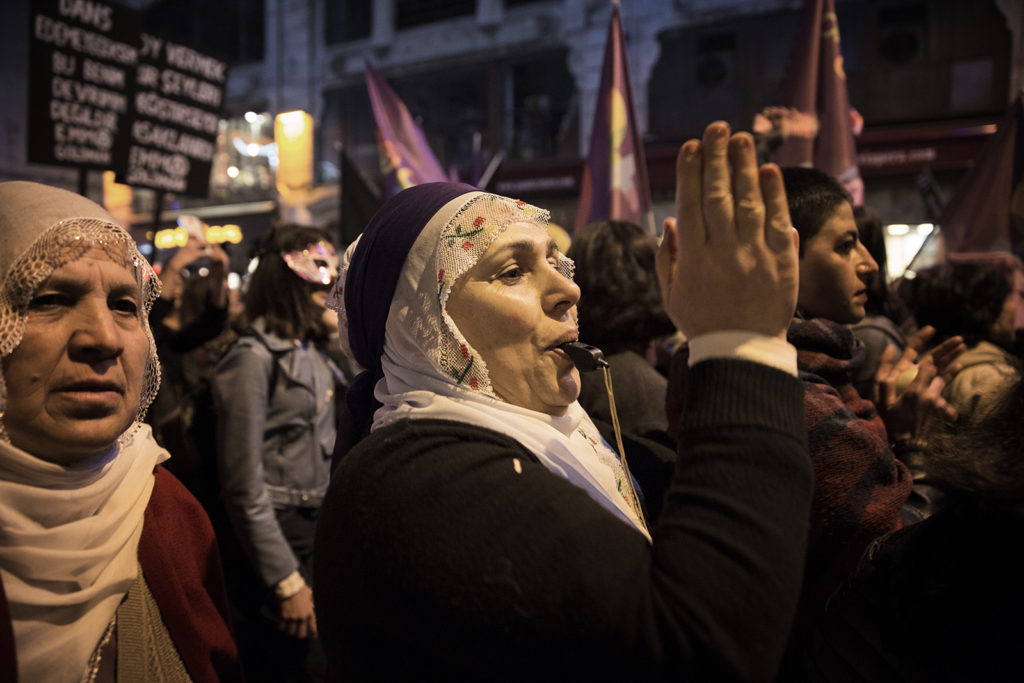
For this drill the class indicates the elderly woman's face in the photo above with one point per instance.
(75, 381)
(515, 308)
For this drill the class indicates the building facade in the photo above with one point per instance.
(519, 78)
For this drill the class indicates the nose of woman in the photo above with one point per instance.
(96, 334)
(562, 293)
(867, 267)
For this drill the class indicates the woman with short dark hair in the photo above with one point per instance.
(861, 487)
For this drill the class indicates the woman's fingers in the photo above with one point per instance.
(919, 340)
(950, 413)
(749, 208)
(950, 371)
(908, 359)
(298, 627)
(666, 262)
(946, 352)
(928, 386)
(718, 204)
(926, 372)
(778, 228)
(885, 377)
(691, 232)
(667, 255)
(887, 362)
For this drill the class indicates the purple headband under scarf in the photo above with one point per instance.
(373, 274)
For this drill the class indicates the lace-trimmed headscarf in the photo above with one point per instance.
(44, 228)
(452, 224)
(393, 311)
(68, 551)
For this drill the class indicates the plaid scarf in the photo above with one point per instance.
(859, 486)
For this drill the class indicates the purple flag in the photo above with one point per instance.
(615, 184)
(815, 84)
(405, 157)
(987, 212)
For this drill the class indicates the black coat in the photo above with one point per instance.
(446, 550)
(942, 600)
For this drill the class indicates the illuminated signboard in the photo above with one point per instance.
(215, 234)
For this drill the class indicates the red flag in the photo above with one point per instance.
(405, 157)
(615, 184)
(987, 212)
(815, 84)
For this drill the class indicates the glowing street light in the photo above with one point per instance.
(293, 133)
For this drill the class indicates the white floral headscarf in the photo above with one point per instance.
(431, 371)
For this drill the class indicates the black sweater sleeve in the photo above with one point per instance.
(447, 549)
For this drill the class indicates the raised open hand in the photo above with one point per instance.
(729, 259)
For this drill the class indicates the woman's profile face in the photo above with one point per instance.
(835, 270)
(514, 307)
(75, 381)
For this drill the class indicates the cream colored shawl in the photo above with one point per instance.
(68, 534)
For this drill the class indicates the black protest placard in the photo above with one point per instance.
(171, 140)
(82, 60)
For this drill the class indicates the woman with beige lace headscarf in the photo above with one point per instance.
(108, 567)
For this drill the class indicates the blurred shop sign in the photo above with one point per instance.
(214, 234)
(913, 148)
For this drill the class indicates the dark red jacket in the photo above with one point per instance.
(179, 557)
